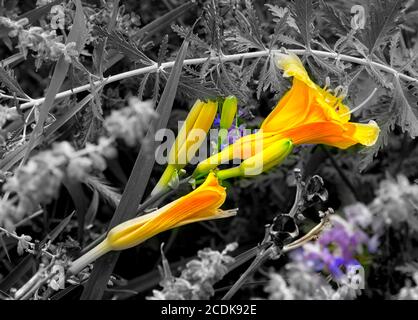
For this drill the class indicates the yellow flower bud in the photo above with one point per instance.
(229, 110)
(189, 138)
(201, 204)
(269, 157)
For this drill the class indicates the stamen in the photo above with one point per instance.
(361, 105)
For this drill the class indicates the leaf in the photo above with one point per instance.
(279, 28)
(92, 210)
(282, 15)
(15, 58)
(99, 54)
(383, 20)
(57, 230)
(337, 21)
(96, 101)
(165, 20)
(118, 42)
(142, 86)
(108, 193)
(4, 246)
(184, 32)
(11, 83)
(162, 52)
(269, 77)
(380, 77)
(77, 35)
(18, 273)
(247, 35)
(289, 40)
(135, 188)
(195, 88)
(304, 15)
(249, 72)
(81, 205)
(327, 65)
(386, 119)
(407, 109)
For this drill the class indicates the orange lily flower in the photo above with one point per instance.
(201, 204)
(306, 114)
(309, 114)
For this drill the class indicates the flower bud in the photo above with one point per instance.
(269, 157)
(229, 110)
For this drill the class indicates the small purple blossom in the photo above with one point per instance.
(234, 132)
(337, 248)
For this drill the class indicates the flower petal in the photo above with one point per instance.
(292, 109)
(202, 203)
(334, 134)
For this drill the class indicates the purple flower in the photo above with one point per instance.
(234, 132)
(320, 258)
(337, 248)
(217, 121)
(346, 242)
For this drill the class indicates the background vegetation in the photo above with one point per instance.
(67, 159)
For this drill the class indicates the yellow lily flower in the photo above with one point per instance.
(201, 204)
(309, 114)
(189, 139)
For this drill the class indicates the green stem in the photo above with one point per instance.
(229, 173)
(95, 253)
(165, 179)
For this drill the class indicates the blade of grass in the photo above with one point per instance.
(18, 273)
(137, 182)
(4, 246)
(77, 35)
(165, 20)
(16, 58)
(92, 209)
(81, 204)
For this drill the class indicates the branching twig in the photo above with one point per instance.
(297, 204)
(224, 58)
(273, 252)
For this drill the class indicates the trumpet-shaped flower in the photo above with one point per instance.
(310, 114)
(201, 204)
(306, 114)
(190, 137)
